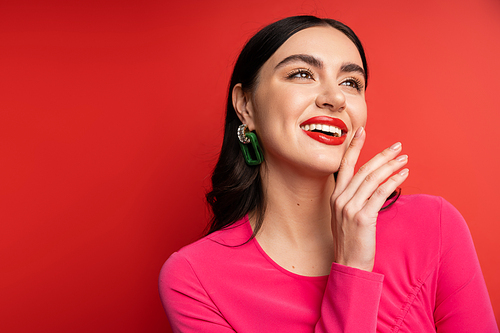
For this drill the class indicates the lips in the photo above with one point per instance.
(333, 126)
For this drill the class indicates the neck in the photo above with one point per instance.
(296, 232)
(297, 207)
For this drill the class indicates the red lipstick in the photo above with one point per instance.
(323, 138)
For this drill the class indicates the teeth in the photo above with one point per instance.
(325, 128)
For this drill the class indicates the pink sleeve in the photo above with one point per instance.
(351, 301)
(462, 301)
(188, 307)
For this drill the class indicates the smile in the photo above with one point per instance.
(321, 128)
(327, 130)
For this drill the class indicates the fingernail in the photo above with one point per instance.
(403, 172)
(396, 146)
(359, 131)
(402, 158)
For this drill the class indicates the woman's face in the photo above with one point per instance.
(315, 80)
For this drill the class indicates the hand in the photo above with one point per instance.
(358, 198)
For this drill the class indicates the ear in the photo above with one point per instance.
(242, 103)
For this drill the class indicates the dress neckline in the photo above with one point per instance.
(249, 231)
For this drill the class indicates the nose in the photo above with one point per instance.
(331, 97)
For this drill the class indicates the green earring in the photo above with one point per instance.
(245, 138)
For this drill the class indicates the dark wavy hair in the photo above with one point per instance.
(236, 186)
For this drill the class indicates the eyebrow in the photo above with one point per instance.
(352, 68)
(308, 59)
(315, 62)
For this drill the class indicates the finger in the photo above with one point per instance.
(346, 169)
(379, 197)
(376, 162)
(372, 182)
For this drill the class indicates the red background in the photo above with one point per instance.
(111, 117)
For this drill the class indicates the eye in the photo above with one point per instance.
(300, 73)
(353, 83)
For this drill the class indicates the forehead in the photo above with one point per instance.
(326, 43)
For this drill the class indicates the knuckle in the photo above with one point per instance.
(343, 163)
(393, 182)
(393, 179)
(381, 191)
(364, 169)
(371, 177)
(385, 152)
(353, 143)
(366, 218)
(360, 218)
(338, 205)
(348, 211)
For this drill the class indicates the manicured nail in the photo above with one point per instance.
(402, 158)
(403, 172)
(396, 146)
(359, 131)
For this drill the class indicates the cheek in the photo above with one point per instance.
(282, 105)
(358, 113)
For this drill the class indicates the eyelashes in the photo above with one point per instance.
(307, 74)
(300, 73)
(354, 83)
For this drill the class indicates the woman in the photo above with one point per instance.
(301, 243)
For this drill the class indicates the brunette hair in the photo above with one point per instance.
(236, 186)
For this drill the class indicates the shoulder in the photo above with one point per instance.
(417, 202)
(422, 210)
(191, 277)
(418, 227)
(194, 272)
(206, 254)
(425, 215)
(218, 243)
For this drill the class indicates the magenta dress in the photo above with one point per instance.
(426, 278)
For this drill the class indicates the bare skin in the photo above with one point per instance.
(311, 220)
